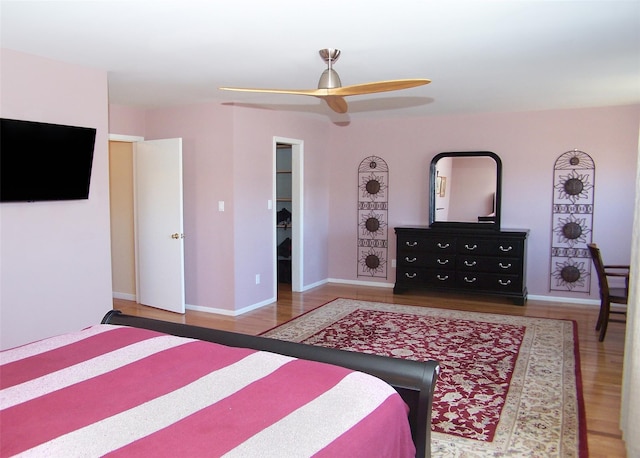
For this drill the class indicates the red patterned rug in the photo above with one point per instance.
(508, 385)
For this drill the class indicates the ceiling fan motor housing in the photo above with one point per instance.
(329, 78)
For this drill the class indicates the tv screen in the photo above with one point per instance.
(40, 161)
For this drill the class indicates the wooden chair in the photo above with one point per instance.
(608, 295)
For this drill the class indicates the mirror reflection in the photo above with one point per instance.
(465, 188)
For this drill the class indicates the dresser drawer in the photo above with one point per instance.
(489, 247)
(488, 264)
(429, 244)
(426, 259)
(426, 277)
(488, 282)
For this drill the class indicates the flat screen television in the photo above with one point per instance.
(41, 161)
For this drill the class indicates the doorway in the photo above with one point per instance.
(147, 247)
(123, 270)
(283, 215)
(288, 213)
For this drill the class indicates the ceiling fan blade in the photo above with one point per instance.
(312, 92)
(330, 88)
(336, 103)
(378, 86)
(355, 89)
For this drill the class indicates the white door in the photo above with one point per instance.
(159, 229)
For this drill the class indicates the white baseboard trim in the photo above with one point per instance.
(249, 308)
(314, 285)
(226, 312)
(361, 283)
(565, 300)
(570, 300)
(124, 296)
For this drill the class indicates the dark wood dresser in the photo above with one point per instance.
(463, 261)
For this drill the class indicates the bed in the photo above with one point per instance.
(133, 386)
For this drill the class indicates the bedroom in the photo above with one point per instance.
(59, 254)
(606, 126)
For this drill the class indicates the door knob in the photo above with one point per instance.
(177, 236)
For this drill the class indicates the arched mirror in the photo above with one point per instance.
(465, 190)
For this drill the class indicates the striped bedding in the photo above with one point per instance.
(123, 391)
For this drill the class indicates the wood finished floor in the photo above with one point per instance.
(601, 362)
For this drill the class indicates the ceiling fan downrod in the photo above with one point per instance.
(329, 78)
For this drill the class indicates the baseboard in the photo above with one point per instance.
(569, 300)
(565, 300)
(227, 312)
(249, 308)
(313, 285)
(361, 283)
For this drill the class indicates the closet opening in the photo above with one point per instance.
(284, 215)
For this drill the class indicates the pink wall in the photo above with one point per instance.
(208, 169)
(254, 184)
(125, 120)
(55, 257)
(528, 144)
(228, 156)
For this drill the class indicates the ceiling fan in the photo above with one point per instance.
(330, 88)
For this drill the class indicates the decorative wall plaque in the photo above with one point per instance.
(373, 195)
(572, 222)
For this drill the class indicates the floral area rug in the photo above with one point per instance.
(508, 385)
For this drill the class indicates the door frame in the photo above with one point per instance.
(131, 139)
(297, 210)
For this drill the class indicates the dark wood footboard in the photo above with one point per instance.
(413, 380)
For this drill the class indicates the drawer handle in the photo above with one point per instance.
(509, 248)
(504, 266)
(441, 262)
(470, 264)
(410, 260)
(442, 277)
(470, 280)
(411, 243)
(471, 247)
(443, 246)
(504, 283)
(413, 275)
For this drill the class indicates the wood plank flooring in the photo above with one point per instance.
(601, 362)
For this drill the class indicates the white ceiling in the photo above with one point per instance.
(482, 56)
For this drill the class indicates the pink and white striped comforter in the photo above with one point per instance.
(122, 391)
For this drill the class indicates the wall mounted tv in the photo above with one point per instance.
(40, 161)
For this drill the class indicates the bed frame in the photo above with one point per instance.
(413, 380)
